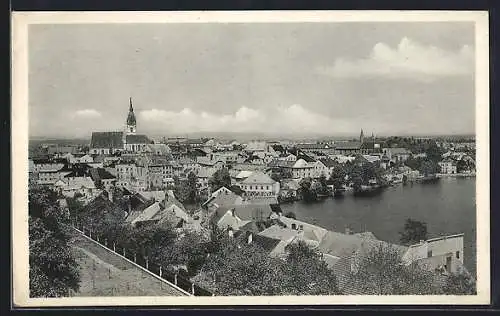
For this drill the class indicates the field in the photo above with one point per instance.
(106, 274)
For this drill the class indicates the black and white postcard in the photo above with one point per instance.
(250, 158)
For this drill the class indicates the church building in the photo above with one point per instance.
(108, 143)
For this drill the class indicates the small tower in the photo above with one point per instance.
(361, 137)
(131, 122)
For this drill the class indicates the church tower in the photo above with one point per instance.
(361, 137)
(131, 122)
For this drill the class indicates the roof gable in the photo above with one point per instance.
(258, 177)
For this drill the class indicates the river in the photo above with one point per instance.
(448, 207)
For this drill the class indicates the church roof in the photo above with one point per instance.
(107, 140)
(138, 139)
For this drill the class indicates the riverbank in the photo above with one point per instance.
(456, 175)
(447, 206)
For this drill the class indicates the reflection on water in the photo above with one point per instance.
(447, 206)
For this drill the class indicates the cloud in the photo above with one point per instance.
(87, 113)
(409, 59)
(281, 119)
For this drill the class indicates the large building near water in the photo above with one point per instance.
(107, 143)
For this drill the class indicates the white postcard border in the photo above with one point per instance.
(19, 141)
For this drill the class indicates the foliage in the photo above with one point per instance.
(280, 174)
(190, 250)
(247, 269)
(53, 269)
(150, 240)
(220, 179)
(460, 283)
(337, 177)
(307, 191)
(305, 273)
(381, 271)
(429, 167)
(413, 232)
(186, 191)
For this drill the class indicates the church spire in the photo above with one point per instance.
(361, 136)
(131, 121)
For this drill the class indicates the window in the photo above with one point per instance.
(458, 254)
(429, 253)
(262, 187)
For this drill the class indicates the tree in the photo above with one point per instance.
(186, 191)
(460, 283)
(306, 190)
(414, 231)
(219, 179)
(429, 167)
(280, 174)
(433, 152)
(305, 273)
(242, 270)
(190, 250)
(381, 271)
(53, 269)
(337, 177)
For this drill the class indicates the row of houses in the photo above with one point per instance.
(264, 224)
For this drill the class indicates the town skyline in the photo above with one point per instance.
(416, 78)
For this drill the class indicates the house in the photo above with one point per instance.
(70, 186)
(302, 169)
(238, 176)
(260, 184)
(203, 177)
(158, 149)
(348, 147)
(237, 216)
(158, 173)
(255, 146)
(289, 189)
(316, 147)
(329, 164)
(50, 174)
(448, 166)
(397, 154)
(102, 178)
(443, 253)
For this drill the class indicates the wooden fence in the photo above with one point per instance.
(162, 272)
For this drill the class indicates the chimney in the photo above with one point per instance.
(348, 231)
(250, 238)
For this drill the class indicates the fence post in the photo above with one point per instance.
(97, 238)
(147, 264)
(192, 288)
(90, 233)
(135, 258)
(106, 242)
(114, 247)
(175, 278)
(160, 271)
(124, 251)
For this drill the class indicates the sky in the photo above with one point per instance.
(394, 78)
